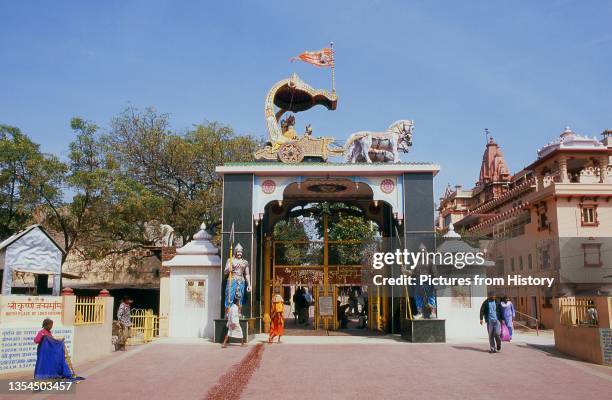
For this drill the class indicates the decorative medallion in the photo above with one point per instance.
(387, 186)
(268, 186)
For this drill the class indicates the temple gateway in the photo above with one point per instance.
(299, 226)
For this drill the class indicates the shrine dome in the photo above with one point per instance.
(569, 140)
(198, 252)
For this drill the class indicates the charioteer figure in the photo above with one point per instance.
(239, 279)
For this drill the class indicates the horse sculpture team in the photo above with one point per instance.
(366, 146)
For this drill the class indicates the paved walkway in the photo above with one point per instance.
(344, 368)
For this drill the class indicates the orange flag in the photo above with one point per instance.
(321, 58)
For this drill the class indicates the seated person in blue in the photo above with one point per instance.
(51, 360)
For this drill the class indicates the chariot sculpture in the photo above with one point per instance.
(286, 145)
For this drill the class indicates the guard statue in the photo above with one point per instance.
(239, 279)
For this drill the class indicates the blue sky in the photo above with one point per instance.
(522, 69)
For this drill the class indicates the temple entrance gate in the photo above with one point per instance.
(256, 196)
(292, 172)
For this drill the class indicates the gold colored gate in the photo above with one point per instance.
(283, 267)
(145, 326)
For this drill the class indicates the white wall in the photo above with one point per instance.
(461, 322)
(194, 322)
(93, 341)
(461, 307)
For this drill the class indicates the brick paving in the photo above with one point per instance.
(334, 367)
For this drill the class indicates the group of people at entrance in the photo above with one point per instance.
(498, 316)
(302, 300)
(277, 322)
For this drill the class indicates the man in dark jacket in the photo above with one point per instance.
(491, 312)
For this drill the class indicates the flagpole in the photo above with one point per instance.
(333, 66)
(229, 277)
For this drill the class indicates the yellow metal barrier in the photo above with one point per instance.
(145, 326)
(89, 310)
(577, 311)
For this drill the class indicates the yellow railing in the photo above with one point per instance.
(89, 310)
(145, 326)
(577, 312)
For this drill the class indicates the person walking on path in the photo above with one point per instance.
(233, 323)
(277, 325)
(306, 303)
(123, 316)
(491, 312)
(297, 301)
(509, 313)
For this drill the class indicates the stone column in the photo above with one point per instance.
(603, 169)
(69, 305)
(418, 226)
(238, 210)
(563, 169)
(539, 179)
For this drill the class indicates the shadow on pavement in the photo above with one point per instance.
(549, 349)
(470, 348)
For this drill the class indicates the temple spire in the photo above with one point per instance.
(493, 167)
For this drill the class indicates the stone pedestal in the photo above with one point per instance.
(424, 330)
(248, 330)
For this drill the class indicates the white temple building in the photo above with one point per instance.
(31, 251)
(195, 288)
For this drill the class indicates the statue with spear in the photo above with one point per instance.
(238, 276)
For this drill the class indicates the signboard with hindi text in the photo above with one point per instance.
(18, 350)
(29, 310)
(605, 337)
(326, 306)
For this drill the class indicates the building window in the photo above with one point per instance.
(544, 250)
(547, 303)
(592, 254)
(543, 223)
(588, 215)
(448, 219)
(512, 264)
(529, 261)
(521, 263)
(499, 266)
(513, 227)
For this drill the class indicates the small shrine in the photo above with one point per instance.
(195, 287)
(31, 252)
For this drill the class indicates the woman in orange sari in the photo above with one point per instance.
(276, 317)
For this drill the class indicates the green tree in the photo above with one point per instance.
(291, 229)
(348, 228)
(85, 176)
(15, 151)
(177, 169)
(28, 179)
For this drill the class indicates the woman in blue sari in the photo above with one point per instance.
(51, 362)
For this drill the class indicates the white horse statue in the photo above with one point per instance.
(368, 146)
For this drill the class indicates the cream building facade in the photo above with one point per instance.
(552, 219)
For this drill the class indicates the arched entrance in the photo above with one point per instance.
(318, 253)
